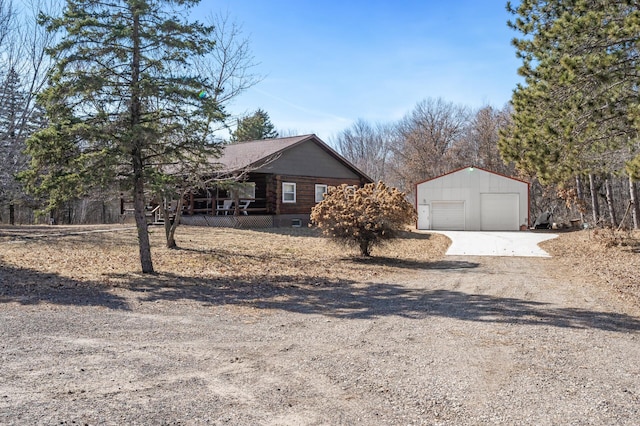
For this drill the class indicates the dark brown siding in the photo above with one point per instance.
(305, 192)
(269, 194)
(308, 159)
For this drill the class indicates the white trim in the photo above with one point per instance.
(318, 186)
(284, 193)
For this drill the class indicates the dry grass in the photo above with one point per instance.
(611, 257)
(219, 254)
(222, 256)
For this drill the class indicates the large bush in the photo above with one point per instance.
(363, 217)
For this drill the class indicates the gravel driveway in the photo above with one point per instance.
(463, 341)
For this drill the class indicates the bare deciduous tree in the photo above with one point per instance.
(426, 138)
(479, 145)
(367, 147)
(23, 70)
(230, 67)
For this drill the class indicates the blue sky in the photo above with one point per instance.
(327, 63)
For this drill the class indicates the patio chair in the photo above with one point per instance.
(227, 205)
(244, 204)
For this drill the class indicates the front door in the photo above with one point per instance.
(424, 221)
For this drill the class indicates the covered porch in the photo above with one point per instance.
(247, 198)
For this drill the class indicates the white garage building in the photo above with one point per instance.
(472, 199)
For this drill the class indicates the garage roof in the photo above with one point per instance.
(472, 168)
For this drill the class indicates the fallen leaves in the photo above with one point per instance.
(610, 259)
(279, 255)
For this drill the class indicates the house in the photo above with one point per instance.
(472, 199)
(271, 182)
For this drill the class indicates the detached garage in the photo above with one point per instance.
(472, 199)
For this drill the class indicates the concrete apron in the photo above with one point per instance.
(496, 243)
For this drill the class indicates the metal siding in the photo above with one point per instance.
(499, 212)
(467, 185)
(447, 215)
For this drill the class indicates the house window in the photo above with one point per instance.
(320, 191)
(247, 190)
(288, 192)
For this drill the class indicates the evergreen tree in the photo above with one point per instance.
(10, 145)
(253, 127)
(576, 112)
(11, 101)
(121, 102)
(18, 120)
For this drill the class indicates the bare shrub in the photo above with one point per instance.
(363, 217)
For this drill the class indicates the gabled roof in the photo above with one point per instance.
(252, 154)
(472, 167)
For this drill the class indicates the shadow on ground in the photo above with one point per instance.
(29, 287)
(414, 264)
(317, 232)
(394, 262)
(352, 300)
(337, 298)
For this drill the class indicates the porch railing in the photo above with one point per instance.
(222, 206)
(255, 221)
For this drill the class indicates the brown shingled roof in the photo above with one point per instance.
(243, 155)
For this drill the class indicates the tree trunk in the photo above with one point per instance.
(236, 203)
(176, 218)
(595, 206)
(136, 152)
(141, 224)
(169, 227)
(12, 214)
(141, 221)
(166, 215)
(635, 209)
(610, 206)
(580, 195)
(365, 248)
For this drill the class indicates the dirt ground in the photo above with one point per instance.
(284, 328)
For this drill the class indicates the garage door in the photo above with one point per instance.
(499, 212)
(447, 215)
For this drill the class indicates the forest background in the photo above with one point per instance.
(570, 129)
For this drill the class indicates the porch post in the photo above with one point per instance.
(236, 202)
(278, 188)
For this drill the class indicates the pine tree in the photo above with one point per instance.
(253, 127)
(576, 113)
(18, 120)
(9, 145)
(580, 63)
(122, 104)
